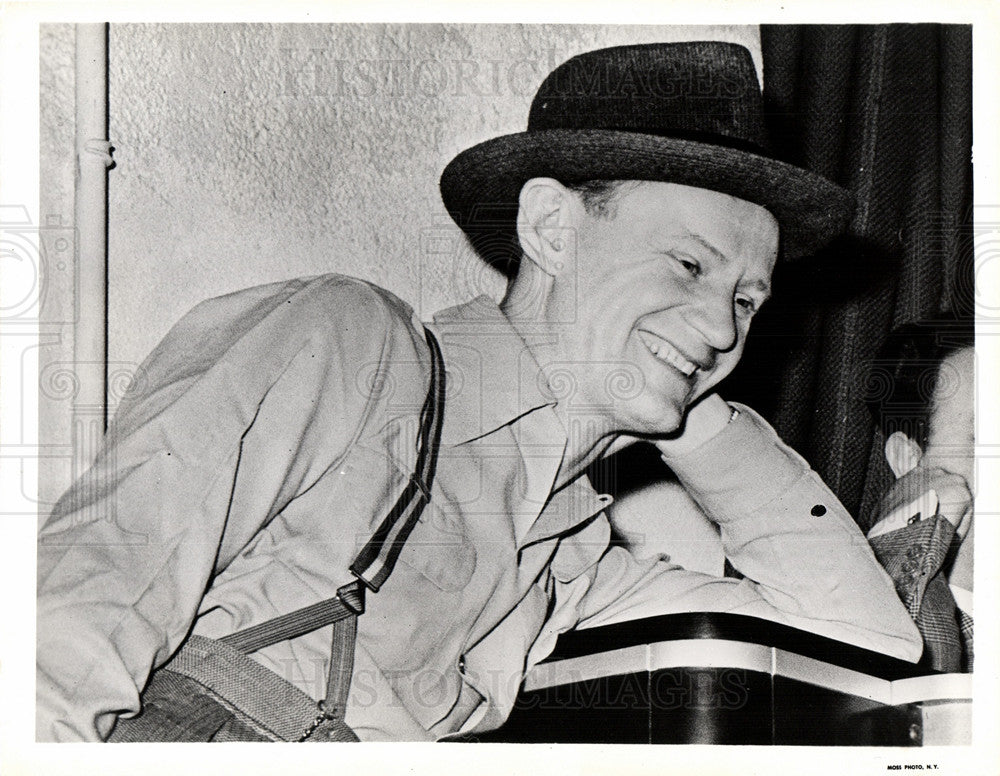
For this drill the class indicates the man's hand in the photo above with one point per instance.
(955, 498)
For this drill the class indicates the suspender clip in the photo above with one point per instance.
(416, 480)
(352, 595)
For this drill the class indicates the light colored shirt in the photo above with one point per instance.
(268, 434)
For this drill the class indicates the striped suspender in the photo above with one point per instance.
(378, 557)
(371, 567)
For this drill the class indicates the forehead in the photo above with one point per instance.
(951, 431)
(954, 390)
(733, 225)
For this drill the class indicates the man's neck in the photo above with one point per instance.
(586, 442)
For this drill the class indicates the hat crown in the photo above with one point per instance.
(684, 113)
(705, 91)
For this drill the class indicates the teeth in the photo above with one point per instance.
(666, 352)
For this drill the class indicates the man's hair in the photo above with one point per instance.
(492, 230)
(903, 376)
(599, 196)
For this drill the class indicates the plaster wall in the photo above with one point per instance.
(247, 154)
(252, 153)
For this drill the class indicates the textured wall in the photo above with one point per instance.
(251, 153)
(247, 154)
(55, 340)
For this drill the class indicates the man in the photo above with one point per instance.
(274, 430)
(923, 529)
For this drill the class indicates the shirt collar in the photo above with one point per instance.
(492, 378)
(493, 381)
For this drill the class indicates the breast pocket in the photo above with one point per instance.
(440, 549)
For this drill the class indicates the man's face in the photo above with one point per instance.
(951, 437)
(666, 289)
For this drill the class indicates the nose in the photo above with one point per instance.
(714, 316)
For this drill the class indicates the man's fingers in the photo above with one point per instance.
(953, 494)
(955, 500)
(956, 507)
(965, 526)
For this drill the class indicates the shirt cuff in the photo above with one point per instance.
(745, 463)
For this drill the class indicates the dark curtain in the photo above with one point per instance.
(885, 111)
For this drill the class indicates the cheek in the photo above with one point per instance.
(610, 305)
(727, 362)
(629, 293)
(953, 455)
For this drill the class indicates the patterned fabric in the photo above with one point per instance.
(913, 557)
(219, 694)
(965, 627)
(176, 708)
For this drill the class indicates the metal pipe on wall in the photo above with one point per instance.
(93, 158)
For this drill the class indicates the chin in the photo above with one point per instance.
(658, 419)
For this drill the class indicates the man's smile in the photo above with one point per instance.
(667, 353)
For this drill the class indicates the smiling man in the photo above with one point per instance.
(665, 282)
(294, 445)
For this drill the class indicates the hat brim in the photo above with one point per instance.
(487, 179)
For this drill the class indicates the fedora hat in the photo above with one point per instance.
(687, 113)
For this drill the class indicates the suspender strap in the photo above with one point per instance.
(371, 567)
(338, 679)
(350, 601)
(378, 557)
(243, 690)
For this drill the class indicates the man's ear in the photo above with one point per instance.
(545, 219)
(902, 453)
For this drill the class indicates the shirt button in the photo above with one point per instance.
(461, 664)
(818, 511)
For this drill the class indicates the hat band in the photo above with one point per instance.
(714, 138)
(675, 133)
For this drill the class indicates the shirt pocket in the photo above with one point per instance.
(581, 549)
(440, 549)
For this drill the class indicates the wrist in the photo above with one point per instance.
(738, 468)
(702, 422)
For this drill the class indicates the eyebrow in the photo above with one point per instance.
(761, 285)
(706, 245)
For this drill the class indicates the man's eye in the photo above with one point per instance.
(693, 267)
(746, 304)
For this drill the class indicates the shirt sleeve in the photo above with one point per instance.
(244, 405)
(805, 560)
